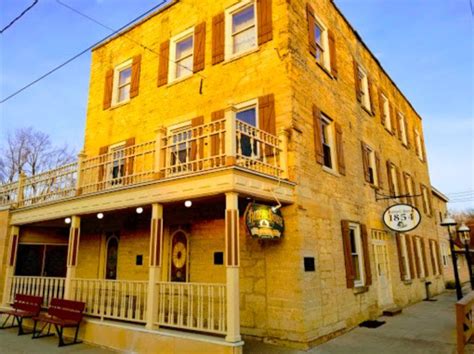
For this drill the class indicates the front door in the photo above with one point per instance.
(179, 257)
(382, 267)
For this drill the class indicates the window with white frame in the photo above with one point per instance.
(404, 255)
(247, 113)
(364, 88)
(241, 28)
(122, 83)
(444, 254)
(321, 41)
(434, 256)
(419, 147)
(394, 179)
(357, 254)
(426, 200)
(419, 253)
(117, 166)
(180, 146)
(372, 173)
(386, 112)
(409, 185)
(181, 55)
(327, 139)
(403, 128)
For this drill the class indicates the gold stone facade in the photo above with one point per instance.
(266, 282)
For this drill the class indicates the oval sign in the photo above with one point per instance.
(264, 222)
(402, 217)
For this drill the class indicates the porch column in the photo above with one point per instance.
(232, 266)
(10, 268)
(156, 259)
(72, 254)
(231, 149)
(283, 138)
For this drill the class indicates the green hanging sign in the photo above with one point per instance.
(264, 222)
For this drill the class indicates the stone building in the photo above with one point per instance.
(197, 114)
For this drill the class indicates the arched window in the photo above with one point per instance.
(111, 257)
(179, 257)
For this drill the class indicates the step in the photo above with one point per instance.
(393, 311)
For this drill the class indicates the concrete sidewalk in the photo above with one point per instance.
(423, 328)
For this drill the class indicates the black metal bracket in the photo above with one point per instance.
(380, 196)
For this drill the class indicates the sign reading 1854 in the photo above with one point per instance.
(402, 217)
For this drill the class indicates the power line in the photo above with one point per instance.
(19, 16)
(81, 53)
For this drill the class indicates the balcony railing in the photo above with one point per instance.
(47, 287)
(180, 152)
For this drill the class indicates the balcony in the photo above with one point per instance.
(189, 151)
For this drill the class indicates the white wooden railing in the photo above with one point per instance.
(114, 299)
(48, 287)
(193, 306)
(178, 152)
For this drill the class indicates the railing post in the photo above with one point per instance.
(10, 269)
(230, 136)
(160, 155)
(283, 136)
(156, 259)
(232, 267)
(72, 255)
(80, 161)
(21, 188)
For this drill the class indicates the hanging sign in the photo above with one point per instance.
(264, 222)
(402, 217)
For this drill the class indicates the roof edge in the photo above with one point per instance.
(439, 194)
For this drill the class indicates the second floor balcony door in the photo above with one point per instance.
(247, 144)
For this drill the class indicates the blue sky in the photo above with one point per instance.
(425, 45)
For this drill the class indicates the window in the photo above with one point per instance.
(363, 88)
(419, 253)
(327, 139)
(117, 166)
(419, 146)
(404, 255)
(241, 29)
(426, 200)
(403, 128)
(370, 160)
(356, 254)
(247, 113)
(386, 112)
(321, 43)
(393, 179)
(444, 255)
(122, 83)
(434, 257)
(181, 55)
(180, 146)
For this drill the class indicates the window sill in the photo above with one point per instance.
(390, 131)
(117, 105)
(240, 55)
(325, 70)
(331, 171)
(178, 81)
(361, 289)
(408, 282)
(369, 112)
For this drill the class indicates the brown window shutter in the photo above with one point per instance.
(382, 116)
(164, 63)
(130, 155)
(400, 260)
(399, 182)
(408, 133)
(311, 24)
(217, 141)
(218, 38)
(266, 113)
(423, 149)
(108, 88)
(432, 256)
(135, 81)
(399, 130)
(195, 122)
(365, 247)
(372, 96)
(102, 160)
(422, 187)
(346, 245)
(341, 164)
(438, 258)
(417, 257)
(264, 19)
(318, 142)
(356, 80)
(409, 244)
(379, 170)
(199, 47)
(332, 52)
(390, 179)
(423, 252)
(365, 162)
(393, 118)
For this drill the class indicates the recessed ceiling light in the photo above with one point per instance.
(67, 220)
(100, 216)
(188, 203)
(139, 210)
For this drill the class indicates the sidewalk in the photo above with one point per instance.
(423, 328)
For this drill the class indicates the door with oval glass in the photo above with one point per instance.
(179, 257)
(382, 266)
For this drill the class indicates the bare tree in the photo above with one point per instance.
(30, 151)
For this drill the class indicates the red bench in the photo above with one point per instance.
(61, 314)
(24, 306)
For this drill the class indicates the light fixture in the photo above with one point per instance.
(188, 203)
(449, 222)
(67, 220)
(100, 216)
(463, 231)
(139, 210)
